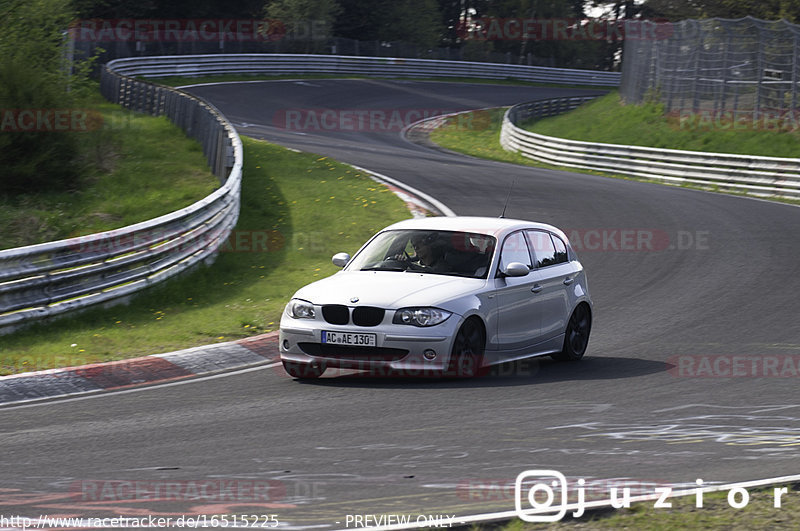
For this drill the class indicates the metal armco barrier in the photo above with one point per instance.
(49, 279)
(278, 64)
(764, 176)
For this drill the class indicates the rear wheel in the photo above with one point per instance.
(467, 354)
(303, 371)
(576, 337)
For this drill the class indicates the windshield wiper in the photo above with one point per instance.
(383, 268)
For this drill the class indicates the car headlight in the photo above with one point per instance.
(420, 316)
(300, 309)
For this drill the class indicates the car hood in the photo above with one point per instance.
(389, 289)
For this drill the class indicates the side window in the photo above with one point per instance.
(409, 249)
(543, 249)
(515, 249)
(561, 250)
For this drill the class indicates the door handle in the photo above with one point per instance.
(536, 288)
(568, 281)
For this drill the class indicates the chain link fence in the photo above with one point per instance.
(744, 69)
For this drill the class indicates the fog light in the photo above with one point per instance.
(429, 354)
(285, 344)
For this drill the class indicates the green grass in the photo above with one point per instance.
(606, 119)
(305, 207)
(715, 513)
(478, 134)
(138, 167)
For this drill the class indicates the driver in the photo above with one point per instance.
(428, 253)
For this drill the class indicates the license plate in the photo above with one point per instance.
(348, 338)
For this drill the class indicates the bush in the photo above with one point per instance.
(31, 160)
(37, 77)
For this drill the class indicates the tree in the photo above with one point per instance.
(550, 50)
(675, 10)
(36, 77)
(33, 31)
(177, 9)
(412, 21)
(310, 21)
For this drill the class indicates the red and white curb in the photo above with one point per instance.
(158, 368)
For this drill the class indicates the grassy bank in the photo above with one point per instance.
(297, 211)
(481, 141)
(137, 167)
(606, 119)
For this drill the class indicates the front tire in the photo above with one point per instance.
(467, 354)
(303, 371)
(576, 337)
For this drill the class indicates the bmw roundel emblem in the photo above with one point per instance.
(354, 300)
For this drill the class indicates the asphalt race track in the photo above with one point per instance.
(691, 371)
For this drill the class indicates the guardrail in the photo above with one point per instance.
(277, 64)
(764, 176)
(48, 279)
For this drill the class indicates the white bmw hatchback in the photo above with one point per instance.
(443, 296)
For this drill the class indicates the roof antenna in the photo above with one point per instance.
(507, 198)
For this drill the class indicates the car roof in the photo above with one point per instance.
(482, 225)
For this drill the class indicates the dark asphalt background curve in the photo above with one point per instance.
(722, 282)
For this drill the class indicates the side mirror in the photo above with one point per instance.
(516, 269)
(340, 259)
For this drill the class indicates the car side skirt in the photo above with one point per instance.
(545, 348)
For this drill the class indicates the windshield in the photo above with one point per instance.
(427, 251)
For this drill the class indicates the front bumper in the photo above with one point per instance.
(398, 348)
